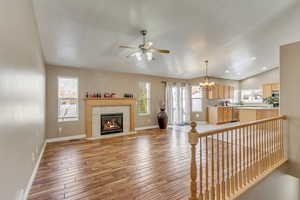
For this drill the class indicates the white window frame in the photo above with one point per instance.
(148, 98)
(60, 120)
(200, 98)
(251, 102)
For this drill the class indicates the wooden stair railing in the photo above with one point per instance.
(235, 158)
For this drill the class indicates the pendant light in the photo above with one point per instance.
(205, 83)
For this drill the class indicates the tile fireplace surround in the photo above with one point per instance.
(99, 110)
(95, 107)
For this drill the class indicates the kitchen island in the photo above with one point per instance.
(247, 114)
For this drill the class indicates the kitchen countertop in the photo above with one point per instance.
(247, 107)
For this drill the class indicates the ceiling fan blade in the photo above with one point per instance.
(159, 51)
(147, 45)
(128, 47)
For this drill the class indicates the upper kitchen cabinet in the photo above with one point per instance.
(226, 92)
(213, 92)
(268, 89)
(221, 92)
(275, 86)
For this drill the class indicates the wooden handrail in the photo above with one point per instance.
(215, 131)
(234, 158)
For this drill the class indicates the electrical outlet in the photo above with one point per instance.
(59, 130)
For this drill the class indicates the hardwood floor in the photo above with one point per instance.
(153, 164)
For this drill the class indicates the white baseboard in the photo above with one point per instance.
(146, 127)
(36, 167)
(49, 140)
(59, 139)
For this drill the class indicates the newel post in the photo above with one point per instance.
(193, 140)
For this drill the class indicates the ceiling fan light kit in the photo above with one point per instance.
(145, 50)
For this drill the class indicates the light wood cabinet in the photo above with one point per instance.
(247, 115)
(213, 92)
(219, 115)
(275, 87)
(227, 92)
(221, 92)
(227, 114)
(268, 89)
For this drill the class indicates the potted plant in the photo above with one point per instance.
(274, 101)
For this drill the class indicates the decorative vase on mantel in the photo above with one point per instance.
(162, 118)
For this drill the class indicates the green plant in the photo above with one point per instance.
(272, 101)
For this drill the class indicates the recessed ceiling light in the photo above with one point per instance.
(238, 73)
(227, 71)
(253, 58)
(264, 68)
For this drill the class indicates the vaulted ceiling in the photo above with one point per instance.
(239, 38)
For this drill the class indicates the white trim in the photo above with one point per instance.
(37, 164)
(57, 107)
(146, 127)
(58, 139)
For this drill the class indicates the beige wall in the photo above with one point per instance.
(289, 101)
(22, 96)
(202, 116)
(256, 82)
(98, 81)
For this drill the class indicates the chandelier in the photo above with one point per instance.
(205, 83)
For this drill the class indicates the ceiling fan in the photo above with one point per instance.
(144, 50)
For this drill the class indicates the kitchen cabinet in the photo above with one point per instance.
(219, 114)
(226, 92)
(213, 92)
(253, 114)
(227, 114)
(275, 86)
(221, 92)
(268, 89)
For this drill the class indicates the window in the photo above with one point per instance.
(235, 96)
(67, 99)
(197, 99)
(252, 96)
(144, 98)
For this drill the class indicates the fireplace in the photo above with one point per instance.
(111, 123)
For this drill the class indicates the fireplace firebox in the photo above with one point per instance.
(111, 123)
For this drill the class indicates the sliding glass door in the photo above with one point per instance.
(178, 103)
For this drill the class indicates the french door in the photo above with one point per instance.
(178, 103)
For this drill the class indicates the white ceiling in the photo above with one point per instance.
(242, 37)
